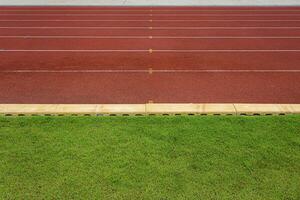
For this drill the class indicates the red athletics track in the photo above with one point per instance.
(142, 54)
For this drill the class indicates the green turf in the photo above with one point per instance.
(190, 157)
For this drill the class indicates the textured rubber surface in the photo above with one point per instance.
(126, 55)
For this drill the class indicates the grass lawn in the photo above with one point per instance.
(192, 157)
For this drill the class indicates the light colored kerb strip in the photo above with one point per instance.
(148, 109)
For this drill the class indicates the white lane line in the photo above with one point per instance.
(145, 27)
(73, 27)
(226, 37)
(151, 10)
(150, 14)
(74, 50)
(153, 51)
(154, 70)
(233, 27)
(230, 71)
(227, 50)
(145, 37)
(75, 37)
(75, 71)
(154, 20)
(75, 20)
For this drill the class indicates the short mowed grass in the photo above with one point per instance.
(191, 157)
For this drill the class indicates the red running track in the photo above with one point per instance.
(142, 54)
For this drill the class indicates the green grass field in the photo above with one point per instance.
(193, 157)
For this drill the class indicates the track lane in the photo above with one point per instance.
(146, 23)
(145, 60)
(140, 88)
(149, 43)
(149, 23)
(151, 32)
(150, 17)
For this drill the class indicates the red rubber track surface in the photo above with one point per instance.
(142, 54)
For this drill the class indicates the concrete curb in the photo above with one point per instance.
(149, 109)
